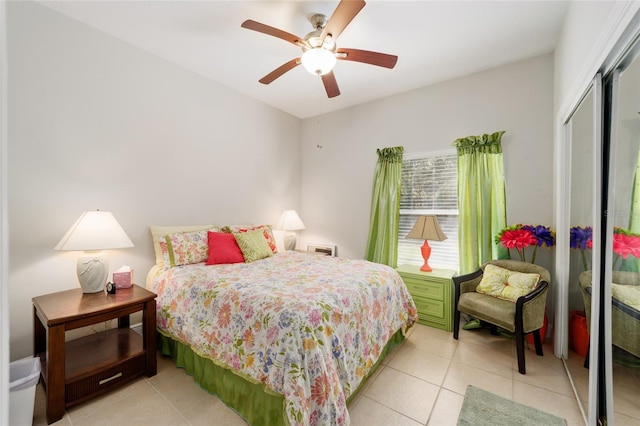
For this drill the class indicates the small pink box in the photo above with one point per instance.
(123, 279)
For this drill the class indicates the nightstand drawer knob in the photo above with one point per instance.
(115, 376)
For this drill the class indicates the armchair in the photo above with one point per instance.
(524, 316)
(625, 319)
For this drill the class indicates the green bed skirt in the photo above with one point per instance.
(255, 403)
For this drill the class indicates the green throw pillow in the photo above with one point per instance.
(505, 284)
(253, 245)
(627, 294)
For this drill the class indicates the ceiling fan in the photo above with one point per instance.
(320, 52)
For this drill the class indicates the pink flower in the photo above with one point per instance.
(625, 245)
(518, 239)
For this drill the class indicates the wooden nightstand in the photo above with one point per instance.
(433, 294)
(79, 369)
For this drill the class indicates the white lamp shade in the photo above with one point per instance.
(318, 60)
(290, 221)
(95, 230)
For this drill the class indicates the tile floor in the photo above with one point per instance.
(626, 388)
(422, 382)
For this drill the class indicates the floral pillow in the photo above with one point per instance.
(184, 248)
(505, 284)
(253, 245)
(627, 294)
(266, 232)
(158, 232)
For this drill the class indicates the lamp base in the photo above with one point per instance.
(290, 240)
(93, 270)
(426, 253)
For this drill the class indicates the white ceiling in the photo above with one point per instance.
(434, 41)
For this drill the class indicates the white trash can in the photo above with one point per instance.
(23, 375)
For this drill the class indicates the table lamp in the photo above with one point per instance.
(290, 222)
(427, 228)
(93, 232)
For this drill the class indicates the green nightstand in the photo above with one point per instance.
(433, 294)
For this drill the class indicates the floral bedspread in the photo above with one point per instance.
(309, 327)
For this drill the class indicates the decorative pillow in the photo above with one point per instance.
(627, 294)
(223, 248)
(184, 248)
(161, 231)
(505, 284)
(253, 244)
(267, 232)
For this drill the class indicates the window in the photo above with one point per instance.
(430, 186)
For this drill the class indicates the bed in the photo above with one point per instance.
(287, 338)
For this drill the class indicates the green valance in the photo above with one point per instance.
(488, 144)
(391, 155)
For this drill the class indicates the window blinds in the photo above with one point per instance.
(430, 186)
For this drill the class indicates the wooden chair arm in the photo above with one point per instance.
(468, 280)
(466, 283)
(542, 286)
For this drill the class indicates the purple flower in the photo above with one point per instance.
(581, 237)
(543, 234)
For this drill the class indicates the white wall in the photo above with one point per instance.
(580, 43)
(337, 176)
(589, 37)
(97, 123)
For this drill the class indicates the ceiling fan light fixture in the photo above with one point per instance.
(318, 61)
(319, 50)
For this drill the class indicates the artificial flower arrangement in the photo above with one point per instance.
(581, 238)
(520, 237)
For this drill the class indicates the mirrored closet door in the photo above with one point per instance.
(621, 292)
(583, 140)
(601, 263)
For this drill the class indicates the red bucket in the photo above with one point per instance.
(579, 332)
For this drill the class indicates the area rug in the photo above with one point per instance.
(482, 408)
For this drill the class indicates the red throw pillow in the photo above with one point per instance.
(223, 248)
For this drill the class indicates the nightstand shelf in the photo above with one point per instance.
(432, 293)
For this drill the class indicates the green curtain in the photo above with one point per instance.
(634, 221)
(632, 264)
(481, 199)
(382, 244)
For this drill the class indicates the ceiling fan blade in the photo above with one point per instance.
(344, 13)
(266, 29)
(330, 84)
(279, 71)
(367, 57)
